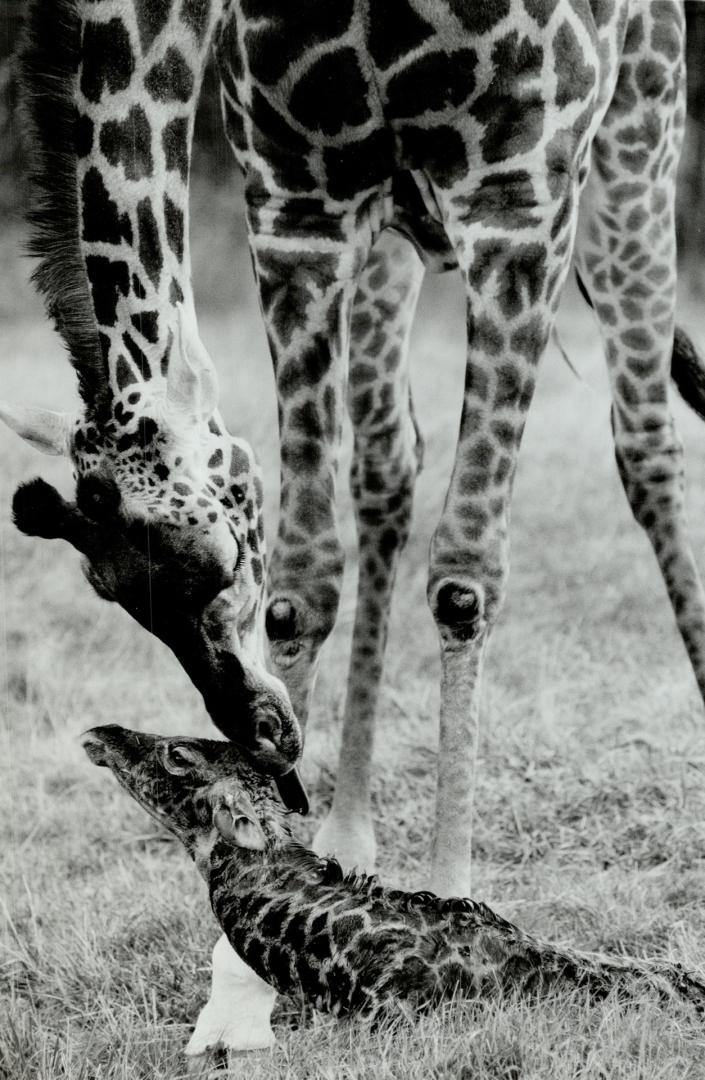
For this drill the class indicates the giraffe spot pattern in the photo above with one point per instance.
(176, 295)
(174, 221)
(107, 59)
(286, 280)
(124, 375)
(149, 246)
(152, 17)
(332, 94)
(433, 82)
(634, 38)
(171, 79)
(278, 42)
(575, 78)
(175, 144)
(108, 280)
(101, 217)
(359, 165)
(506, 200)
(195, 14)
(480, 18)
(439, 151)
(138, 288)
(541, 10)
(520, 271)
(137, 355)
(651, 78)
(511, 110)
(147, 323)
(129, 143)
(667, 30)
(395, 29)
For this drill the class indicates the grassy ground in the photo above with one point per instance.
(591, 801)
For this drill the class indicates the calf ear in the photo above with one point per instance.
(47, 431)
(239, 828)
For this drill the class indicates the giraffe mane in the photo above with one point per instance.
(49, 59)
(329, 872)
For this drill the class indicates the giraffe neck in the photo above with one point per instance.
(135, 95)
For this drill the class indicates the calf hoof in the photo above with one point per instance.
(239, 1038)
(213, 1064)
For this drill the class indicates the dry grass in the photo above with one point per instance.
(591, 802)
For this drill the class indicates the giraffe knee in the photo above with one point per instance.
(304, 615)
(459, 608)
(282, 621)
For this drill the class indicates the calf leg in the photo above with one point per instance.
(237, 1014)
(386, 460)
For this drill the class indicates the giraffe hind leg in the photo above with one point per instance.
(626, 261)
(385, 464)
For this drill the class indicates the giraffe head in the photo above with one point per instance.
(200, 789)
(168, 518)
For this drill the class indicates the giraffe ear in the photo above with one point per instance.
(47, 431)
(239, 828)
(191, 382)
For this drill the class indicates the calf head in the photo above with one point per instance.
(200, 789)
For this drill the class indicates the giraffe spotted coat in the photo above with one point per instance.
(375, 137)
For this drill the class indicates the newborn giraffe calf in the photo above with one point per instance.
(343, 941)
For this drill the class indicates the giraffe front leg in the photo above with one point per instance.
(513, 277)
(385, 463)
(236, 1016)
(306, 298)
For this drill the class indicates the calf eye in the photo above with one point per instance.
(178, 759)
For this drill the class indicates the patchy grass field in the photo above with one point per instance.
(591, 795)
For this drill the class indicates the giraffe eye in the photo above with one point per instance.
(238, 494)
(179, 760)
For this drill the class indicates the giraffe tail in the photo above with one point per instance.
(688, 372)
(605, 974)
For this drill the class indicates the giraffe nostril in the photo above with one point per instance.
(268, 732)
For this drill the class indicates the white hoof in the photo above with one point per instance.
(213, 1065)
(350, 840)
(237, 1015)
(247, 1032)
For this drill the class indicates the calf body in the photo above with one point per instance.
(350, 945)
(342, 941)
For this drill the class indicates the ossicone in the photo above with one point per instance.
(39, 510)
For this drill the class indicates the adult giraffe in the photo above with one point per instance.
(467, 127)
